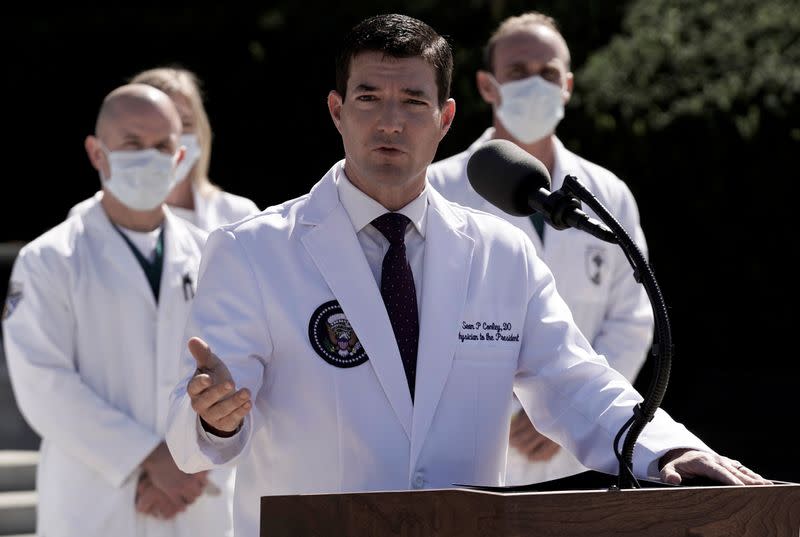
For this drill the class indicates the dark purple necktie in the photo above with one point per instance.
(399, 293)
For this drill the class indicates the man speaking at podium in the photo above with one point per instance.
(368, 335)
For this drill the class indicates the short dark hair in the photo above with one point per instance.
(398, 36)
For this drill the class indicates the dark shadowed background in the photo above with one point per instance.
(694, 104)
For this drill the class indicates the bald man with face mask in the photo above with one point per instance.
(92, 337)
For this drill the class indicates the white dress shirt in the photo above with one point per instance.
(362, 210)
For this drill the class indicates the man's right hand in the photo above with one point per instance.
(531, 443)
(213, 392)
(150, 500)
(181, 488)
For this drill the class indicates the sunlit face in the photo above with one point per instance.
(530, 51)
(136, 127)
(390, 121)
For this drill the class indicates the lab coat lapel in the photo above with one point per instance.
(445, 277)
(117, 252)
(334, 247)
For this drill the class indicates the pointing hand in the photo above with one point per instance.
(213, 392)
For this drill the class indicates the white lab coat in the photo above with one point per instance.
(594, 277)
(93, 360)
(315, 427)
(210, 212)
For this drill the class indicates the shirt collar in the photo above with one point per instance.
(362, 209)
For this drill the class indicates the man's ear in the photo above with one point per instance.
(487, 87)
(448, 114)
(96, 154)
(568, 85)
(181, 155)
(335, 108)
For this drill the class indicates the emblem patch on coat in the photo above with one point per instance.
(13, 298)
(333, 338)
(596, 264)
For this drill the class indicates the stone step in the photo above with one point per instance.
(17, 512)
(18, 470)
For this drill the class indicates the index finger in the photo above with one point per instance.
(198, 384)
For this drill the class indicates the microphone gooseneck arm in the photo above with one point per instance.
(563, 211)
(662, 347)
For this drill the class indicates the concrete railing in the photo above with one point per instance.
(17, 492)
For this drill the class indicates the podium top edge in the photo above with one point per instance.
(497, 492)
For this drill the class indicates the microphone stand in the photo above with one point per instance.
(662, 347)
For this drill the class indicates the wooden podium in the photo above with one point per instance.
(718, 511)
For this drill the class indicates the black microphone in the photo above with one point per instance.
(518, 183)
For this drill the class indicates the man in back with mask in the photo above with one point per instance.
(527, 80)
(92, 331)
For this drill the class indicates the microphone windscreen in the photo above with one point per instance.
(505, 175)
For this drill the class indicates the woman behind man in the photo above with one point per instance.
(194, 197)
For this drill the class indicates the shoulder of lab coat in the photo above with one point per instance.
(218, 208)
(39, 342)
(83, 206)
(449, 175)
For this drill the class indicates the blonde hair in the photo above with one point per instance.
(514, 24)
(172, 80)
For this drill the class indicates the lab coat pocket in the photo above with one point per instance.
(473, 414)
(487, 372)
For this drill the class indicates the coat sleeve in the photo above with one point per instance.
(39, 339)
(626, 331)
(228, 314)
(573, 396)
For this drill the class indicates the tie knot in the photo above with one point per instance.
(393, 226)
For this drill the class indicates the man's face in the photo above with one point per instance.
(390, 121)
(135, 127)
(534, 50)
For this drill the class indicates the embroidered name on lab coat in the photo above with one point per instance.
(479, 330)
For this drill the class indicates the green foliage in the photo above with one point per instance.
(723, 62)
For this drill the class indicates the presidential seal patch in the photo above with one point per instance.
(13, 298)
(333, 338)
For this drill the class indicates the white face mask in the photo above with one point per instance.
(530, 108)
(140, 179)
(192, 155)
